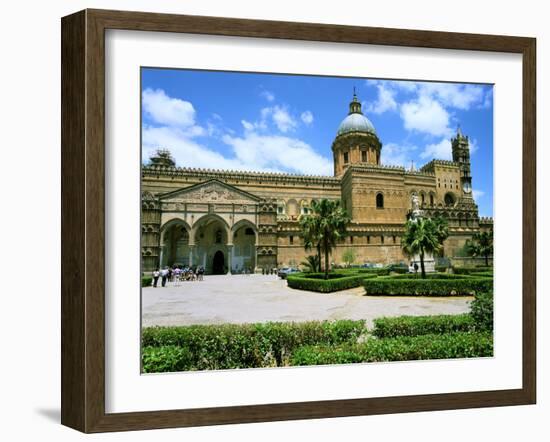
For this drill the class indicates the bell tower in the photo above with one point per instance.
(461, 155)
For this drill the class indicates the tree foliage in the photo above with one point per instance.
(349, 256)
(324, 228)
(481, 244)
(422, 236)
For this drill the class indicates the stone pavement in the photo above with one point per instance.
(261, 298)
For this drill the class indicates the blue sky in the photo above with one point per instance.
(286, 123)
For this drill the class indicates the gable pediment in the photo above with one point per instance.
(212, 191)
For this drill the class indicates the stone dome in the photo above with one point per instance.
(356, 122)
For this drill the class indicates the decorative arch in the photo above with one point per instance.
(209, 216)
(244, 223)
(173, 222)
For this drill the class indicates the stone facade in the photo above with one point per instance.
(232, 221)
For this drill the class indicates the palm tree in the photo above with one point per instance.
(441, 228)
(424, 235)
(331, 224)
(310, 231)
(311, 263)
(481, 245)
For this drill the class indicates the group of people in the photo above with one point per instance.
(177, 274)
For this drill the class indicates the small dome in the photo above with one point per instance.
(356, 122)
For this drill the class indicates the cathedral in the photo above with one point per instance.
(228, 221)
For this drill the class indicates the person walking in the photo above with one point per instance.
(156, 275)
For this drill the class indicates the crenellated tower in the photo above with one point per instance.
(461, 155)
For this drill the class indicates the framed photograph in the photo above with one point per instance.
(267, 221)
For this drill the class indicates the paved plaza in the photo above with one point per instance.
(261, 298)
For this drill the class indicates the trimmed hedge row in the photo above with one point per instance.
(427, 287)
(470, 270)
(146, 281)
(483, 274)
(422, 325)
(430, 276)
(403, 348)
(213, 347)
(314, 282)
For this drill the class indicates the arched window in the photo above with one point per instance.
(379, 201)
(431, 200)
(423, 198)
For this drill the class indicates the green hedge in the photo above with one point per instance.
(422, 325)
(426, 287)
(470, 270)
(483, 274)
(482, 311)
(403, 348)
(430, 276)
(146, 281)
(212, 347)
(314, 282)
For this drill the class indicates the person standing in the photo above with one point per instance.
(156, 275)
(164, 276)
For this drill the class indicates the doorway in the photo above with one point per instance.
(218, 263)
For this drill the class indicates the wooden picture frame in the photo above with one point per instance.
(83, 220)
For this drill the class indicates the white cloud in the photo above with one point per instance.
(397, 155)
(269, 96)
(247, 125)
(280, 117)
(477, 193)
(166, 110)
(439, 151)
(385, 100)
(278, 153)
(283, 120)
(307, 117)
(185, 151)
(252, 152)
(460, 96)
(426, 115)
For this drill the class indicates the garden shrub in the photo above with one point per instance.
(314, 281)
(482, 310)
(421, 325)
(211, 347)
(146, 281)
(166, 359)
(403, 348)
(427, 287)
